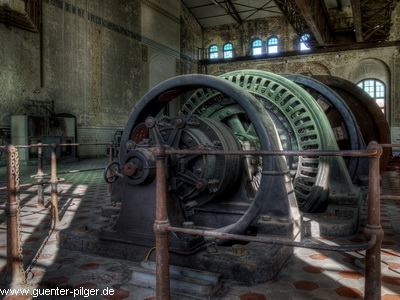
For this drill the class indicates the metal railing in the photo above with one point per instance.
(373, 232)
(15, 271)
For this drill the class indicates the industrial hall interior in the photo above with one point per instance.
(200, 149)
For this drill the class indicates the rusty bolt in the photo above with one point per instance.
(150, 122)
(238, 249)
(130, 169)
(266, 218)
(179, 122)
(283, 220)
(200, 185)
(130, 145)
(82, 228)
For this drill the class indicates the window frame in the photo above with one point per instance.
(269, 45)
(375, 91)
(226, 50)
(258, 46)
(302, 42)
(213, 52)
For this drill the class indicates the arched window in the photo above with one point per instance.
(272, 45)
(303, 45)
(376, 89)
(256, 47)
(213, 52)
(228, 50)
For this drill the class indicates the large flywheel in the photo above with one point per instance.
(342, 120)
(298, 120)
(246, 194)
(202, 189)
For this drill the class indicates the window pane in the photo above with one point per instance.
(228, 47)
(228, 54)
(303, 46)
(380, 90)
(273, 49)
(376, 89)
(257, 51)
(257, 43)
(272, 45)
(368, 83)
(257, 47)
(380, 102)
(213, 51)
(272, 42)
(303, 39)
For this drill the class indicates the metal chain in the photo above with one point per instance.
(15, 173)
(39, 252)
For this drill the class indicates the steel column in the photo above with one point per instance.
(373, 227)
(161, 229)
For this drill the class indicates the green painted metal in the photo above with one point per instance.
(299, 121)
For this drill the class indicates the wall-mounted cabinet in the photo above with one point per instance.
(27, 130)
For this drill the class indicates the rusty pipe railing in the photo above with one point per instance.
(15, 272)
(161, 229)
(62, 145)
(40, 177)
(54, 186)
(372, 287)
(275, 240)
(373, 232)
(33, 184)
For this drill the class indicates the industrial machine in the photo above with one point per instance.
(241, 194)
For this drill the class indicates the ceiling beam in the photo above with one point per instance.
(339, 4)
(317, 18)
(233, 11)
(357, 20)
(372, 19)
(291, 12)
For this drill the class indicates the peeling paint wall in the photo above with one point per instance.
(93, 64)
(191, 42)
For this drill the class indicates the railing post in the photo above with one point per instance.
(40, 177)
(111, 158)
(54, 185)
(373, 227)
(161, 231)
(110, 152)
(14, 274)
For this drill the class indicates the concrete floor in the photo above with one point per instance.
(308, 274)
